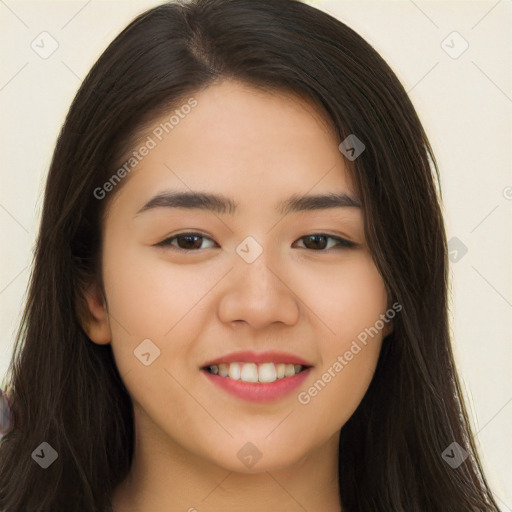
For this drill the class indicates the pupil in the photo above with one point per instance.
(188, 238)
(316, 243)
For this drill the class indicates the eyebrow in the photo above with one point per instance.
(221, 204)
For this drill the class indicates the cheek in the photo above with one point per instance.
(353, 298)
(147, 294)
(363, 299)
(340, 385)
(150, 298)
(345, 298)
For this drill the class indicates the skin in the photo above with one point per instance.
(197, 306)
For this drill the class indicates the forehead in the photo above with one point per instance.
(257, 145)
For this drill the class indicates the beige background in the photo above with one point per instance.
(463, 98)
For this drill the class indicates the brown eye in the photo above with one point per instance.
(319, 242)
(185, 241)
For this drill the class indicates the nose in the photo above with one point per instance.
(258, 295)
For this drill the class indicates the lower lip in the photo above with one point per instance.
(259, 392)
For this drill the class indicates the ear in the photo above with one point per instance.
(97, 323)
(389, 325)
(387, 329)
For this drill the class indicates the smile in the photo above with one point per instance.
(252, 372)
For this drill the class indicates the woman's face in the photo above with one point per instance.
(266, 280)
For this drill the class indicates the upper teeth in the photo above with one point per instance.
(251, 372)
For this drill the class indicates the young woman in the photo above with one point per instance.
(239, 293)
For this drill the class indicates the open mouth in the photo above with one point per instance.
(254, 372)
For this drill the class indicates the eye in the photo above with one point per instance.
(192, 242)
(185, 241)
(319, 242)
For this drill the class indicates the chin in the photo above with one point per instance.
(253, 457)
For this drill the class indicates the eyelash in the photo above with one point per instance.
(342, 242)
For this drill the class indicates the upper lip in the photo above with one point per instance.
(248, 356)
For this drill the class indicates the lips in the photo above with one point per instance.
(257, 376)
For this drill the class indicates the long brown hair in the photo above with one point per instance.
(66, 390)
